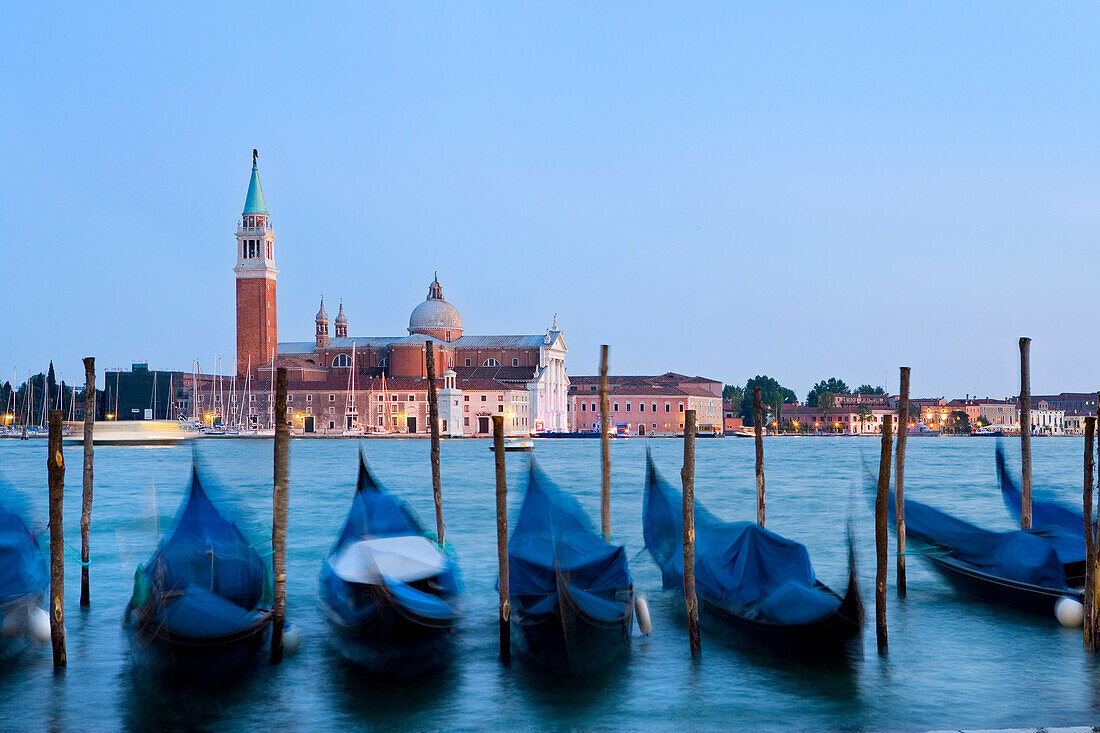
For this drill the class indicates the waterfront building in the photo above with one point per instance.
(999, 412)
(1047, 420)
(646, 405)
(522, 376)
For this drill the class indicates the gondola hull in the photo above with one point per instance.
(569, 639)
(155, 648)
(15, 616)
(825, 637)
(970, 581)
(389, 638)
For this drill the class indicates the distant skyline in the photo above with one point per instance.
(789, 189)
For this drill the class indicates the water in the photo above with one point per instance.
(951, 663)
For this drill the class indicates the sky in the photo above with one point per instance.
(802, 190)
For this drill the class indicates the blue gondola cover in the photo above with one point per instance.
(741, 563)
(23, 570)
(552, 533)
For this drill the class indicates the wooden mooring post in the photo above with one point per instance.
(1093, 561)
(433, 418)
(502, 539)
(882, 496)
(758, 419)
(605, 450)
(279, 515)
(1089, 623)
(86, 500)
(55, 471)
(899, 477)
(687, 478)
(1025, 430)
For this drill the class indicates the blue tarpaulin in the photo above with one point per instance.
(205, 579)
(740, 563)
(1063, 527)
(552, 533)
(1026, 557)
(23, 568)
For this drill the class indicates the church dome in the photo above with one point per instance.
(435, 316)
(341, 319)
(321, 315)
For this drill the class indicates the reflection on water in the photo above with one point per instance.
(951, 663)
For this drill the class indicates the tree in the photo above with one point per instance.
(771, 391)
(832, 384)
(959, 422)
(826, 400)
(732, 393)
(863, 412)
(868, 389)
(982, 422)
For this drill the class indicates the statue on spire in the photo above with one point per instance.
(255, 154)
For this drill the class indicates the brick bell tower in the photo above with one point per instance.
(256, 317)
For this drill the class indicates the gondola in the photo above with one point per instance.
(572, 598)
(387, 590)
(23, 581)
(202, 602)
(1064, 527)
(1016, 568)
(755, 588)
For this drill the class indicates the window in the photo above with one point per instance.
(465, 408)
(483, 398)
(450, 361)
(341, 360)
(446, 335)
(309, 398)
(379, 398)
(332, 410)
(384, 361)
(584, 407)
(593, 407)
(500, 398)
(412, 398)
(309, 410)
(500, 408)
(491, 363)
(616, 408)
(515, 362)
(380, 421)
(290, 398)
(467, 362)
(465, 398)
(653, 406)
(641, 407)
(654, 426)
(681, 407)
(668, 407)
(466, 421)
(628, 407)
(331, 425)
(331, 397)
(251, 398)
(393, 398)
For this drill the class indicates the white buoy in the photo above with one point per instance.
(38, 621)
(1069, 611)
(641, 610)
(292, 639)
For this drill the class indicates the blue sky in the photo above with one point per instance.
(797, 189)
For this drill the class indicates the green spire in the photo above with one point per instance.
(254, 202)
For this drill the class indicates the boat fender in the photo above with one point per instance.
(38, 621)
(641, 610)
(292, 639)
(1069, 612)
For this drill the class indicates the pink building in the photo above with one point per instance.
(641, 405)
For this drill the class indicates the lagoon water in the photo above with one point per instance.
(951, 663)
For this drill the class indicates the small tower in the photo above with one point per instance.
(450, 406)
(257, 334)
(341, 323)
(322, 327)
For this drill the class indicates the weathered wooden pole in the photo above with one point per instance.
(55, 470)
(899, 478)
(1093, 561)
(502, 539)
(433, 418)
(882, 569)
(605, 450)
(86, 504)
(1090, 541)
(758, 419)
(1025, 429)
(278, 523)
(687, 478)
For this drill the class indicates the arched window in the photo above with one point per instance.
(491, 362)
(341, 360)
(385, 361)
